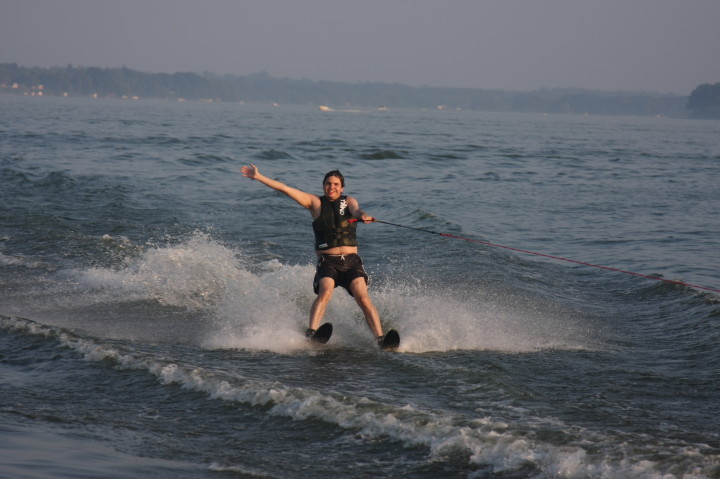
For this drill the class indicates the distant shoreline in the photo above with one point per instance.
(124, 83)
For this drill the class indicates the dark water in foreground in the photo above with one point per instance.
(153, 301)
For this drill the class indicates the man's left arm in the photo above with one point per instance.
(356, 212)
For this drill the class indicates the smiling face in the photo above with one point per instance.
(333, 187)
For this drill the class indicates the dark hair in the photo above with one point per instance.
(335, 173)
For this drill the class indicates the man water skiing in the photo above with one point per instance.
(335, 245)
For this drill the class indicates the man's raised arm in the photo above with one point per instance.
(308, 200)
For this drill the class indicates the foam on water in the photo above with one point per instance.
(265, 305)
(441, 319)
(485, 440)
(193, 274)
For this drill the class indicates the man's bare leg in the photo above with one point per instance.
(319, 306)
(358, 286)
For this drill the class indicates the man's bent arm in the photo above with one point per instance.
(356, 212)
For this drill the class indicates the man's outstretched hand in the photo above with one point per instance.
(250, 171)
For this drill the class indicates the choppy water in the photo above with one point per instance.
(153, 301)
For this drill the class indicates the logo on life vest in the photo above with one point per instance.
(343, 205)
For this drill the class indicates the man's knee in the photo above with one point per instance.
(359, 290)
(325, 289)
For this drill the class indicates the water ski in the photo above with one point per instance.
(322, 334)
(390, 341)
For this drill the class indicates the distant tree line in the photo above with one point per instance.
(263, 88)
(704, 101)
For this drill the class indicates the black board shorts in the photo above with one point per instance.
(343, 269)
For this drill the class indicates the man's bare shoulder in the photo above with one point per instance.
(315, 205)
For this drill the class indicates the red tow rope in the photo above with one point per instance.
(448, 235)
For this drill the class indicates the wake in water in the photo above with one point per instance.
(495, 436)
(484, 440)
(207, 293)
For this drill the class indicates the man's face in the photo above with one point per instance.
(333, 188)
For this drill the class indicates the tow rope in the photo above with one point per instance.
(559, 258)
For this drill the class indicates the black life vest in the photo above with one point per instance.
(332, 227)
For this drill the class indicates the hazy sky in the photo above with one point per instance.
(654, 45)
